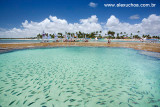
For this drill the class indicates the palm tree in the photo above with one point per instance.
(131, 35)
(117, 34)
(138, 31)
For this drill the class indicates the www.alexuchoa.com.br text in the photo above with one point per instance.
(130, 5)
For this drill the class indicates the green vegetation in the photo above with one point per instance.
(108, 35)
(156, 37)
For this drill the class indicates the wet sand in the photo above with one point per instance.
(153, 47)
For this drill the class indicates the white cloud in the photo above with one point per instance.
(92, 4)
(51, 25)
(112, 21)
(150, 25)
(134, 17)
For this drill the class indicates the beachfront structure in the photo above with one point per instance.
(49, 37)
(70, 37)
(66, 37)
(76, 35)
(96, 38)
(43, 36)
(55, 36)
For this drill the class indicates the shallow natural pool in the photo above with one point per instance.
(79, 76)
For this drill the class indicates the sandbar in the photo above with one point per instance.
(153, 47)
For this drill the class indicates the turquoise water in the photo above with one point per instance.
(103, 40)
(19, 41)
(38, 41)
(79, 77)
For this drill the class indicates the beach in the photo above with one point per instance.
(153, 47)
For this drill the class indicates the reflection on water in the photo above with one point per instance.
(79, 76)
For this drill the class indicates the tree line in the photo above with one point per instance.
(108, 35)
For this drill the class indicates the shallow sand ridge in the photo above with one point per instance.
(154, 47)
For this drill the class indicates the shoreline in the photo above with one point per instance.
(153, 47)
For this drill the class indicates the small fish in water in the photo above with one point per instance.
(12, 102)
(43, 103)
(37, 99)
(17, 102)
(7, 90)
(19, 94)
(109, 96)
(30, 95)
(30, 103)
(102, 103)
(24, 102)
(49, 99)
(120, 103)
(33, 92)
(128, 100)
(66, 100)
(152, 95)
(98, 102)
(111, 101)
(130, 105)
(14, 93)
(72, 100)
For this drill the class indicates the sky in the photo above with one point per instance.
(27, 18)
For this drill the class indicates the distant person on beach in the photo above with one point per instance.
(109, 41)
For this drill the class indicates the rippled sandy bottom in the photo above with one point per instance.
(79, 76)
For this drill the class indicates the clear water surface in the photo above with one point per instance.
(38, 41)
(79, 77)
